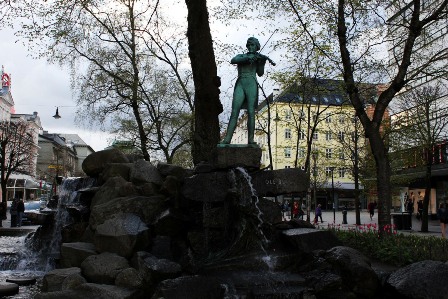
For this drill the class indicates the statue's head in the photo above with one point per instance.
(254, 41)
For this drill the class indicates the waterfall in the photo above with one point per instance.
(264, 242)
(68, 196)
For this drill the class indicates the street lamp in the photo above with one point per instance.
(332, 194)
(276, 120)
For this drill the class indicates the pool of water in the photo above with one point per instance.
(25, 292)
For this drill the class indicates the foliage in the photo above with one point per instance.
(392, 248)
(114, 50)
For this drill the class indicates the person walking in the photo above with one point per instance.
(442, 215)
(371, 208)
(14, 212)
(20, 212)
(318, 214)
(295, 209)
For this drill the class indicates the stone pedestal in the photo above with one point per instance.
(281, 181)
(236, 155)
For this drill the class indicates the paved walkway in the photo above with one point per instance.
(336, 218)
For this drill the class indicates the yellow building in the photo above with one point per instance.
(312, 127)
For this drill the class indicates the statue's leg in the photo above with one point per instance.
(238, 98)
(251, 93)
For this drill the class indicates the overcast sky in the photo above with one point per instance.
(40, 87)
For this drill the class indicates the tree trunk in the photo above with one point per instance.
(424, 216)
(383, 174)
(206, 82)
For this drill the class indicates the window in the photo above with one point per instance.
(288, 114)
(287, 133)
(302, 168)
(341, 154)
(287, 152)
(302, 135)
(301, 152)
(287, 166)
(341, 119)
(341, 172)
(328, 136)
(328, 153)
(315, 136)
(302, 115)
(328, 118)
(328, 171)
(353, 134)
(341, 136)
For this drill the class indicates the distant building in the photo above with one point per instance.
(6, 100)
(289, 116)
(61, 155)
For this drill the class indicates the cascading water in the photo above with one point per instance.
(68, 196)
(264, 242)
(21, 256)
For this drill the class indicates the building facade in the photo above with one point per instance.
(314, 128)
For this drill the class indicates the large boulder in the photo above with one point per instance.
(124, 234)
(144, 172)
(73, 254)
(154, 270)
(147, 208)
(53, 280)
(91, 290)
(423, 280)
(116, 170)
(113, 188)
(355, 270)
(103, 268)
(171, 170)
(309, 239)
(189, 287)
(94, 164)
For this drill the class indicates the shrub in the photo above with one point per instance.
(392, 248)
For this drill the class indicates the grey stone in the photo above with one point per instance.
(355, 270)
(153, 270)
(281, 181)
(307, 239)
(91, 290)
(231, 157)
(53, 280)
(124, 234)
(147, 208)
(171, 170)
(103, 268)
(189, 287)
(73, 254)
(129, 278)
(144, 172)
(94, 164)
(73, 281)
(116, 170)
(423, 280)
(113, 188)
(207, 187)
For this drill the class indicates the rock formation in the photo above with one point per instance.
(161, 231)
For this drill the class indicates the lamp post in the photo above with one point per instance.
(276, 120)
(314, 156)
(332, 194)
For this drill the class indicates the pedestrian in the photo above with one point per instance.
(371, 208)
(318, 214)
(302, 210)
(419, 209)
(442, 214)
(295, 209)
(13, 210)
(20, 212)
